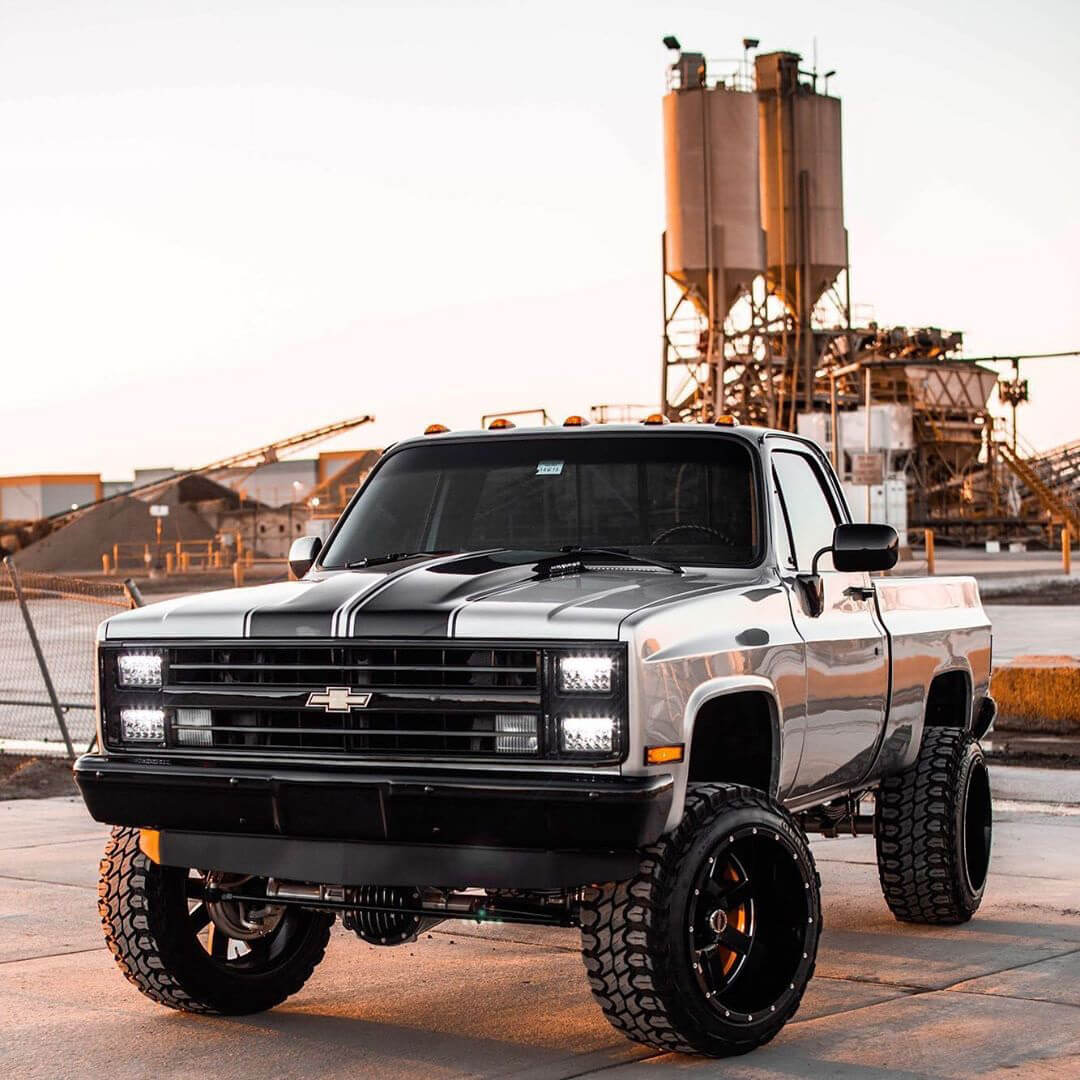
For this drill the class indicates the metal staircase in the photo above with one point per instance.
(1052, 478)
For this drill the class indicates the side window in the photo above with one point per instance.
(785, 552)
(810, 513)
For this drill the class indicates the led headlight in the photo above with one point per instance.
(585, 674)
(515, 734)
(142, 725)
(587, 734)
(139, 669)
(193, 727)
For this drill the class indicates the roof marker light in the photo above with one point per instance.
(727, 420)
(501, 424)
(655, 419)
(435, 429)
(575, 421)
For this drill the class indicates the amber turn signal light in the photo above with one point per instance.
(150, 844)
(663, 755)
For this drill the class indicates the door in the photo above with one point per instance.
(847, 679)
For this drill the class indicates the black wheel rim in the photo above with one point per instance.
(752, 924)
(978, 826)
(231, 953)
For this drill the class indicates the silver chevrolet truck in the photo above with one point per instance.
(600, 677)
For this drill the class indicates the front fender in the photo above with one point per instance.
(710, 690)
(737, 684)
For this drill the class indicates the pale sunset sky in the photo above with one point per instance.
(224, 222)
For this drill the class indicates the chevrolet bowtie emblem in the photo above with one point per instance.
(337, 699)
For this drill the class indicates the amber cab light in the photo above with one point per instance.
(727, 420)
(435, 429)
(501, 424)
(656, 418)
(663, 755)
(575, 421)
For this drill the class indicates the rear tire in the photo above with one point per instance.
(934, 825)
(709, 947)
(155, 925)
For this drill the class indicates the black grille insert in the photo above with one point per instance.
(424, 700)
(387, 667)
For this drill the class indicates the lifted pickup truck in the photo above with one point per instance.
(603, 677)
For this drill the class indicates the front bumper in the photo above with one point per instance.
(396, 822)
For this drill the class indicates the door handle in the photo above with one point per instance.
(860, 592)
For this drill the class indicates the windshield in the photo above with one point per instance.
(686, 499)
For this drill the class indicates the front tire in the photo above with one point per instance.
(709, 948)
(934, 826)
(159, 930)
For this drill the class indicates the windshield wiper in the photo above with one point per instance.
(619, 553)
(389, 557)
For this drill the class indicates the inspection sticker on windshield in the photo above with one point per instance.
(549, 468)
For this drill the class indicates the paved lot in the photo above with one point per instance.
(1034, 630)
(999, 997)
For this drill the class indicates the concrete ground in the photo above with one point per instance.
(998, 997)
(1034, 630)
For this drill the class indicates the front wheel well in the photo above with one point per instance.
(733, 741)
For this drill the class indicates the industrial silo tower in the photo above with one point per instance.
(713, 247)
(802, 196)
(755, 237)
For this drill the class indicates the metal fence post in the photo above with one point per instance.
(133, 593)
(32, 633)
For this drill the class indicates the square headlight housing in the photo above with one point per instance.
(587, 702)
(131, 693)
(139, 670)
(588, 734)
(142, 726)
(586, 673)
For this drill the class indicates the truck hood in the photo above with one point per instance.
(500, 595)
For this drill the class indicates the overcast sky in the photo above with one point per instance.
(226, 222)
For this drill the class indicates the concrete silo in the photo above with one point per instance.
(713, 244)
(713, 191)
(802, 189)
(755, 239)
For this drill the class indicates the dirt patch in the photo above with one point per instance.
(24, 777)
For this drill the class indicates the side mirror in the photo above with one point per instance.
(857, 548)
(303, 553)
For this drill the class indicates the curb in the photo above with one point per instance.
(1038, 694)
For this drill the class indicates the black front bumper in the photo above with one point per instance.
(362, 820)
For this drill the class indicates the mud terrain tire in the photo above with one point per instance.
(739, 867)
(152, 935)
(933, 826)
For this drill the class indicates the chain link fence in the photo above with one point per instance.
(48, 626)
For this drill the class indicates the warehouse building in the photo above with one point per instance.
(28, 498)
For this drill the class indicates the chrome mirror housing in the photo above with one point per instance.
(303, 553)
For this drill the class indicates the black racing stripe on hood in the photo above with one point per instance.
(421, 603)
(311, 612)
